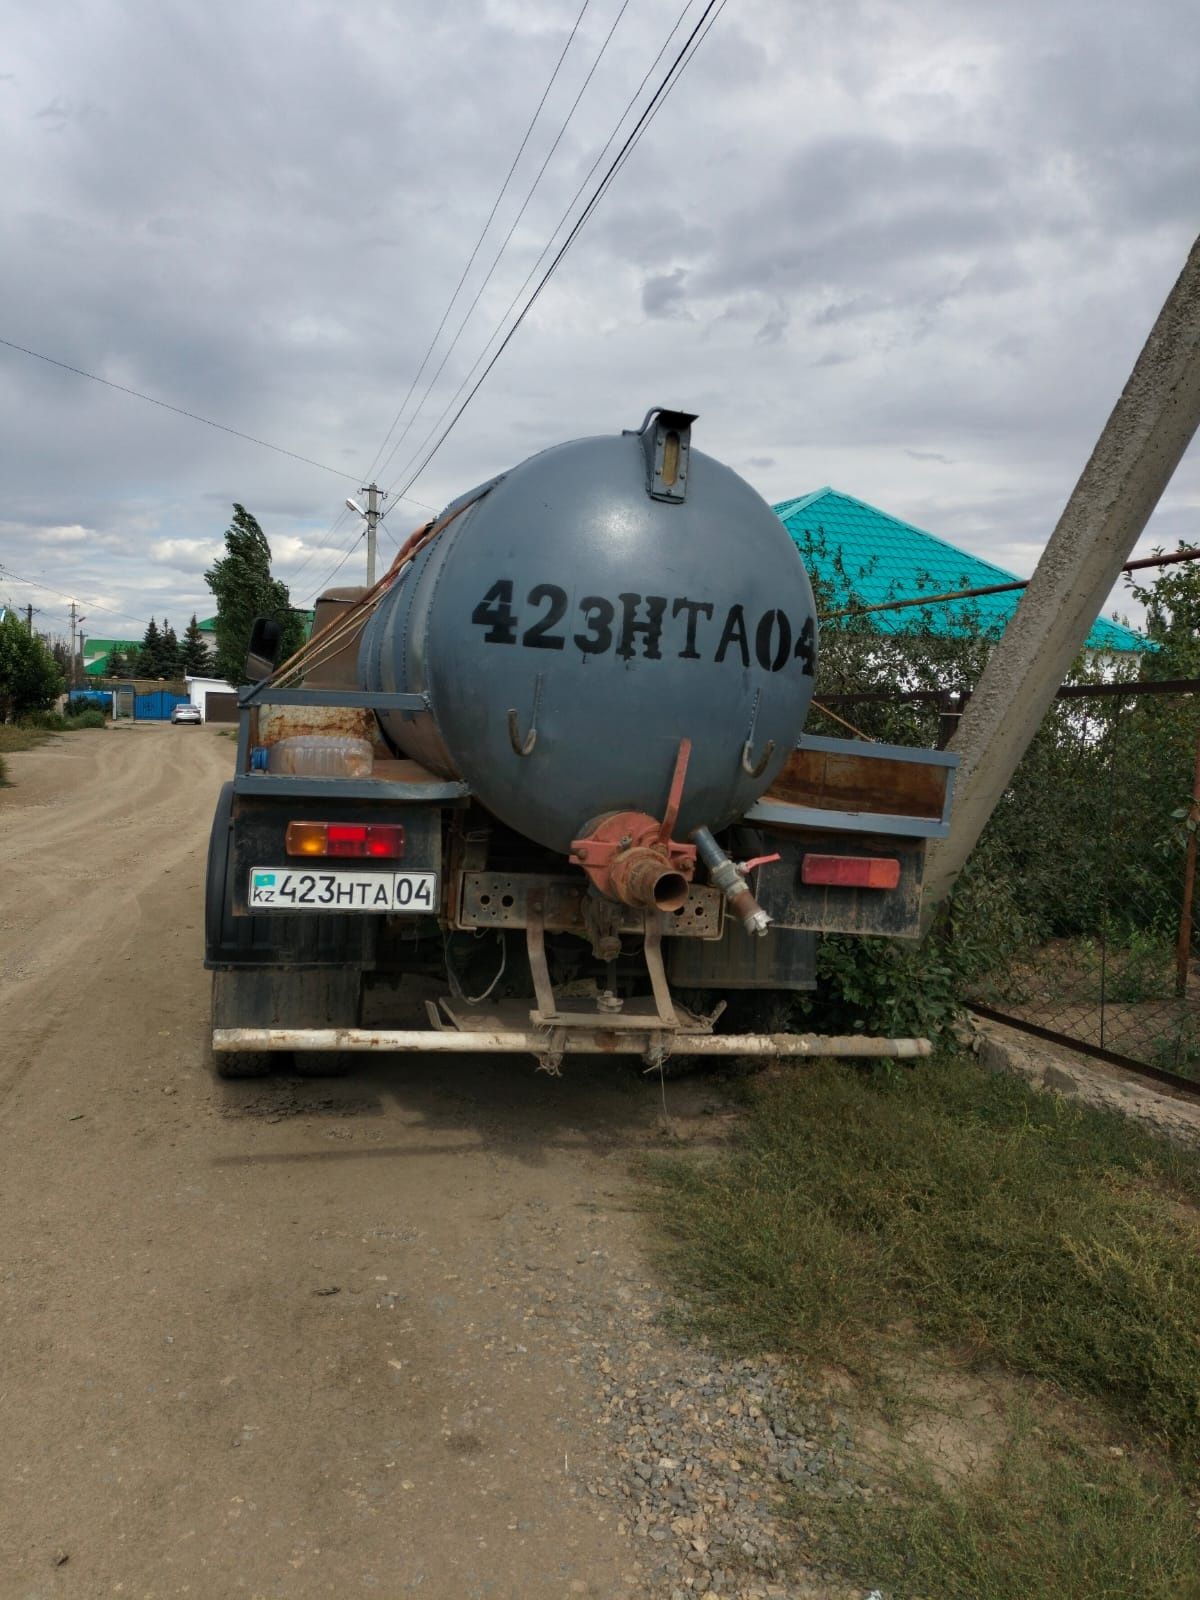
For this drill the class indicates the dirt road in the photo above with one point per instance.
(279, 1338)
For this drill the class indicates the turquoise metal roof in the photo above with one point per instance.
(882, 558)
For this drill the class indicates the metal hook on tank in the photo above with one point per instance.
(752, 768)
(524, 747)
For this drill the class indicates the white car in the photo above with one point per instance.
(187, 713)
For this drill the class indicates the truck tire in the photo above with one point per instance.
(323, 1063)
(232, 1064)
(278, 971)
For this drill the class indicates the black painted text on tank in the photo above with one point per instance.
(693, 609)
(650, 627)
(598, 639)
(642, 621)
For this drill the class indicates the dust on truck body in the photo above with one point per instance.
(579, 812)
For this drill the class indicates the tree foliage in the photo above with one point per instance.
(158, 656)
(1088, 836)
(243, 587)
(29, 677)
(193, 651)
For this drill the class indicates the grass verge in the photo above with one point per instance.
(1047, 1524)
(1057, 1240)
(28, 735)
(862, 1216)
(13, 739)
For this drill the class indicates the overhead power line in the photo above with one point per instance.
(550, 82)
(359, 535)
(326, 539)
(94, 605)
(512, 228)
(178, 410)
(708, 16)
(557, 229)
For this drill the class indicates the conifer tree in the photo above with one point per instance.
(193, 650)
(149, 657)
(169, 652)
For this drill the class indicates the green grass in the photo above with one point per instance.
(869, 1219)
(1049, 1523)
(55, 722)
(14, 738)
(1015, 1227)
(35, 730)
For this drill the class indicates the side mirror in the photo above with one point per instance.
(263, 650)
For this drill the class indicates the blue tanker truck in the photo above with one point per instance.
(545, 787)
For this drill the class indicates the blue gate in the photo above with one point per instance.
(156, 706)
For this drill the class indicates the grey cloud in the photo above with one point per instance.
(909, 250)
(774, 326)
(663, 296)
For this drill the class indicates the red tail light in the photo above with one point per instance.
(852, 872)
(377, 840)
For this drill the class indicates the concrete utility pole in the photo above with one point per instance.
(374, 497)
(29, 620)
(1150, 427)
(71, 674)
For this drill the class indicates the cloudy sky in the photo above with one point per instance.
(907, 249)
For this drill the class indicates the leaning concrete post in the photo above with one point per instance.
(1150, 427)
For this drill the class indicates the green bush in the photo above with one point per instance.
(1090, 833)
(55, 722)
(29, 677)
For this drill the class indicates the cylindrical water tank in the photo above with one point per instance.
(589, 610)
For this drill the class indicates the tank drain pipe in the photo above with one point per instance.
(726, 877)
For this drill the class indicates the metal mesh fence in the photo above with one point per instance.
(1097, 837)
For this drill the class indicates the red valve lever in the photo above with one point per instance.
(758, 861)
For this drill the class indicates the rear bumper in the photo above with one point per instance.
(568, 1041)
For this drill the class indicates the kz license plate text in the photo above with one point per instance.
(280, 888)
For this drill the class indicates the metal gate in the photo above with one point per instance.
(156, 706)
(220, 707)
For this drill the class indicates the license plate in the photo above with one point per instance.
(284, 889)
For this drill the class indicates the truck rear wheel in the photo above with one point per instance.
(235, 1063)
(323, 1063)
(285, 997)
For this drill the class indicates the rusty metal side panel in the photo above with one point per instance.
(498, 900)
(290, 722)
(854, 780)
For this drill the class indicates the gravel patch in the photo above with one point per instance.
(701, 1458)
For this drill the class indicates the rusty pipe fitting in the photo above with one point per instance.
(627, 860)
(726, 877)
(644, 878)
